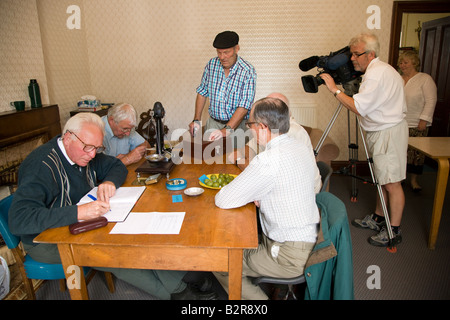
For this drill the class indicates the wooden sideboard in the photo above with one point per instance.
(20, 133)
(17, 126)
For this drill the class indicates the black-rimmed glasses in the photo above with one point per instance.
(357, 55)
(88, 147)
(249, 123)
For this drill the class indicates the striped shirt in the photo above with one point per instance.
(281, 178)
(226, 94)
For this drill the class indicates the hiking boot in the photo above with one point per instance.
(382, 238)
(369, 223)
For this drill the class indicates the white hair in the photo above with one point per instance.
(123, 111)
(75, 124)
(370, 40)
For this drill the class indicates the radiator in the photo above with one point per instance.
(304, 113)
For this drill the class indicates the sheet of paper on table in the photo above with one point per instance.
(121, 203)
(150, 223)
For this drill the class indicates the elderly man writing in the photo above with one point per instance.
(55, 176)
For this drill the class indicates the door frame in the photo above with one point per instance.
(400, 7)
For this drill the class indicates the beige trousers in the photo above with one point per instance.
(272, 259)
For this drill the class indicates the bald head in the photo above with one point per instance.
(280, 96)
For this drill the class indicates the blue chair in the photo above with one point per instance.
(29, 268)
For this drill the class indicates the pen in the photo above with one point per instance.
(94, 198)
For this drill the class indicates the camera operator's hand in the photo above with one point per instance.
(329, 82)
(346, 100)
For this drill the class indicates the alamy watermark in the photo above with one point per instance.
(374, 280)
(74, 20)
(199, 149)
(73, 277)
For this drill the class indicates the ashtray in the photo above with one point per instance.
(176, 184)
(192, 192)
(155, 157)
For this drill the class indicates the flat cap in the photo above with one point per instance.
(225, 40)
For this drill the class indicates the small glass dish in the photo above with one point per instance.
(194, 191)
(155, 157)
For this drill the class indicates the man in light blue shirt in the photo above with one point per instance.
(121, 139)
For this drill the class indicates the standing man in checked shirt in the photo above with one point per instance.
(229, 82)
(280, 180)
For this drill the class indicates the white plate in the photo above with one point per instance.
(193, 191)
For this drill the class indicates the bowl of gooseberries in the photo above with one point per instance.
(217, 180)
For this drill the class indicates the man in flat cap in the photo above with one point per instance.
(229, 82)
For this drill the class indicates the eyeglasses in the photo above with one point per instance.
(89, 147)
(356, 55)
(126, 130)
(249, 123)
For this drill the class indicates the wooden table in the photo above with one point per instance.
(437, 148)
(211, 239)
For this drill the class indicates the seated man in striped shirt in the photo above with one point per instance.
(280, 180)
(229, 82)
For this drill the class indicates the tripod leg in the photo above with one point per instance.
(391, 247)
(327, 129)
(353, 158)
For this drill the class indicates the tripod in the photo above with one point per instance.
(349, 170)
(353, 156)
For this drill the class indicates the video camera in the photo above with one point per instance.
(338, 64)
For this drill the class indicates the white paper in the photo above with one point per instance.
(121, 203)
(150, 223)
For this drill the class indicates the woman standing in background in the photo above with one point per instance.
(421, 97)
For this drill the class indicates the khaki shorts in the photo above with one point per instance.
(388, 149)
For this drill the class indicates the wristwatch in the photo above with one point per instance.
(337, 92)
(229, 128)
(196, 120)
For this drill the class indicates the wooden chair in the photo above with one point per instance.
(31, 269)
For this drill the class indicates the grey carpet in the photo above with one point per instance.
(413, 273)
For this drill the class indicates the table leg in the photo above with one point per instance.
(74, 274)
(235, 274)
(439, 195)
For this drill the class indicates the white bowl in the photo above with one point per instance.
(193, 191)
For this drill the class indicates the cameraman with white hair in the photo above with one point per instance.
(381, 107)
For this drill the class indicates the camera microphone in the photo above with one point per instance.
(308, 63)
